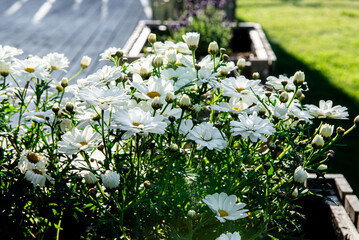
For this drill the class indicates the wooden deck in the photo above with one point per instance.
(73, 27)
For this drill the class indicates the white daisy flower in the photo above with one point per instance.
(327, 110)
(169, 111)
(40, 117)
(229, 236)
(226, 69)
(57, 61)
(239, 86)
(206, 75)
(3, 95)
(109, 53)
(186, 126)
(104, 76)
(138, 121)
(277, 83)
(7, 53)
(162, 48)
(153, 87)
(79, 140)
(38, 177)
(235, 105)
(142, 66)
(225, 207)
(206, 135)
(31, 160)
(104, 97)
(252, 126)
(33, 67)
(110, 179)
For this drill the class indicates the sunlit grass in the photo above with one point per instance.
(322, 34)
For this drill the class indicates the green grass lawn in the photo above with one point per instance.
(321, 38)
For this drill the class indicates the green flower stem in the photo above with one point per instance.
(295, 92)
(349, 130)
(179, 124)
(59, 227)
(76, 74)
(194, 58)
(101, 190)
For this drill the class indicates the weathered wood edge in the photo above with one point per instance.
(346, 212)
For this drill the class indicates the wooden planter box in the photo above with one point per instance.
(342, 204)
(248, 41)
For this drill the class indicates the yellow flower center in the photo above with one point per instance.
(136, 124)
(37, 171)
(236, 109)
(153, 94)
(222, 213)
(54, 68)
(83, 143)
(29, 70)
(239, 90)
(33, 158)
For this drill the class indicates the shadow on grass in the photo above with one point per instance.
(346, 159)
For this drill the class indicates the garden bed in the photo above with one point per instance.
(249, 42)
(334, 217)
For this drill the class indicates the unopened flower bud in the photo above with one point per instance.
(197, 67)
(96, 118)
(331, 155)
(298, 78)
(213, 48)
(299, 95)
(268, 94)
(197, 108)
(147, 184)
(173, 147)
(356, 120)
(100, 148)
(192, 40)
(300, 175)
(152, 38)
(172, 118)
(284, 97)
(191, 213)
(295, 193)
(144, 73)
(90, 178)
(318, 141)
(225, 57)
(119, 53)
(59, 88)
(56, 108)
(322, 167)
(70, 107)
(222, 50)
(256, 75)
(170, 97)
(156, 103)
(326, 130)
(64, 82)
(185, 102)
(111, 179)
(284, 83)
(157, 61)
(241, 63)
(85, 62)
(5, 68)
(340, 131)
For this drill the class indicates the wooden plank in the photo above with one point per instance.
(351, 205)
(344, 227)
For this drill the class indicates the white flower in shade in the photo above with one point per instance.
(171, 55)
(104, 76)
(109, 53)
(300, 175)
(327, 110)
(38, 177)
(104, 97)
(142, 66)
(226, 69)
(33, 67)
(229, 236)
(326, 130)
(79, 140)
(57, 61)
(192, 40)
(40, 117)
(7, 53)
(169, 111)
(279, 111)
(3, 95)
(65, 125)
(206, 135)
(31, 160)
(276, 83)
(90, 178)
(110, 179)
(239, 86)
(206, 75)
(235, 105)
(225, 207)
(138, 121)
(153, 87)
(252, 126)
